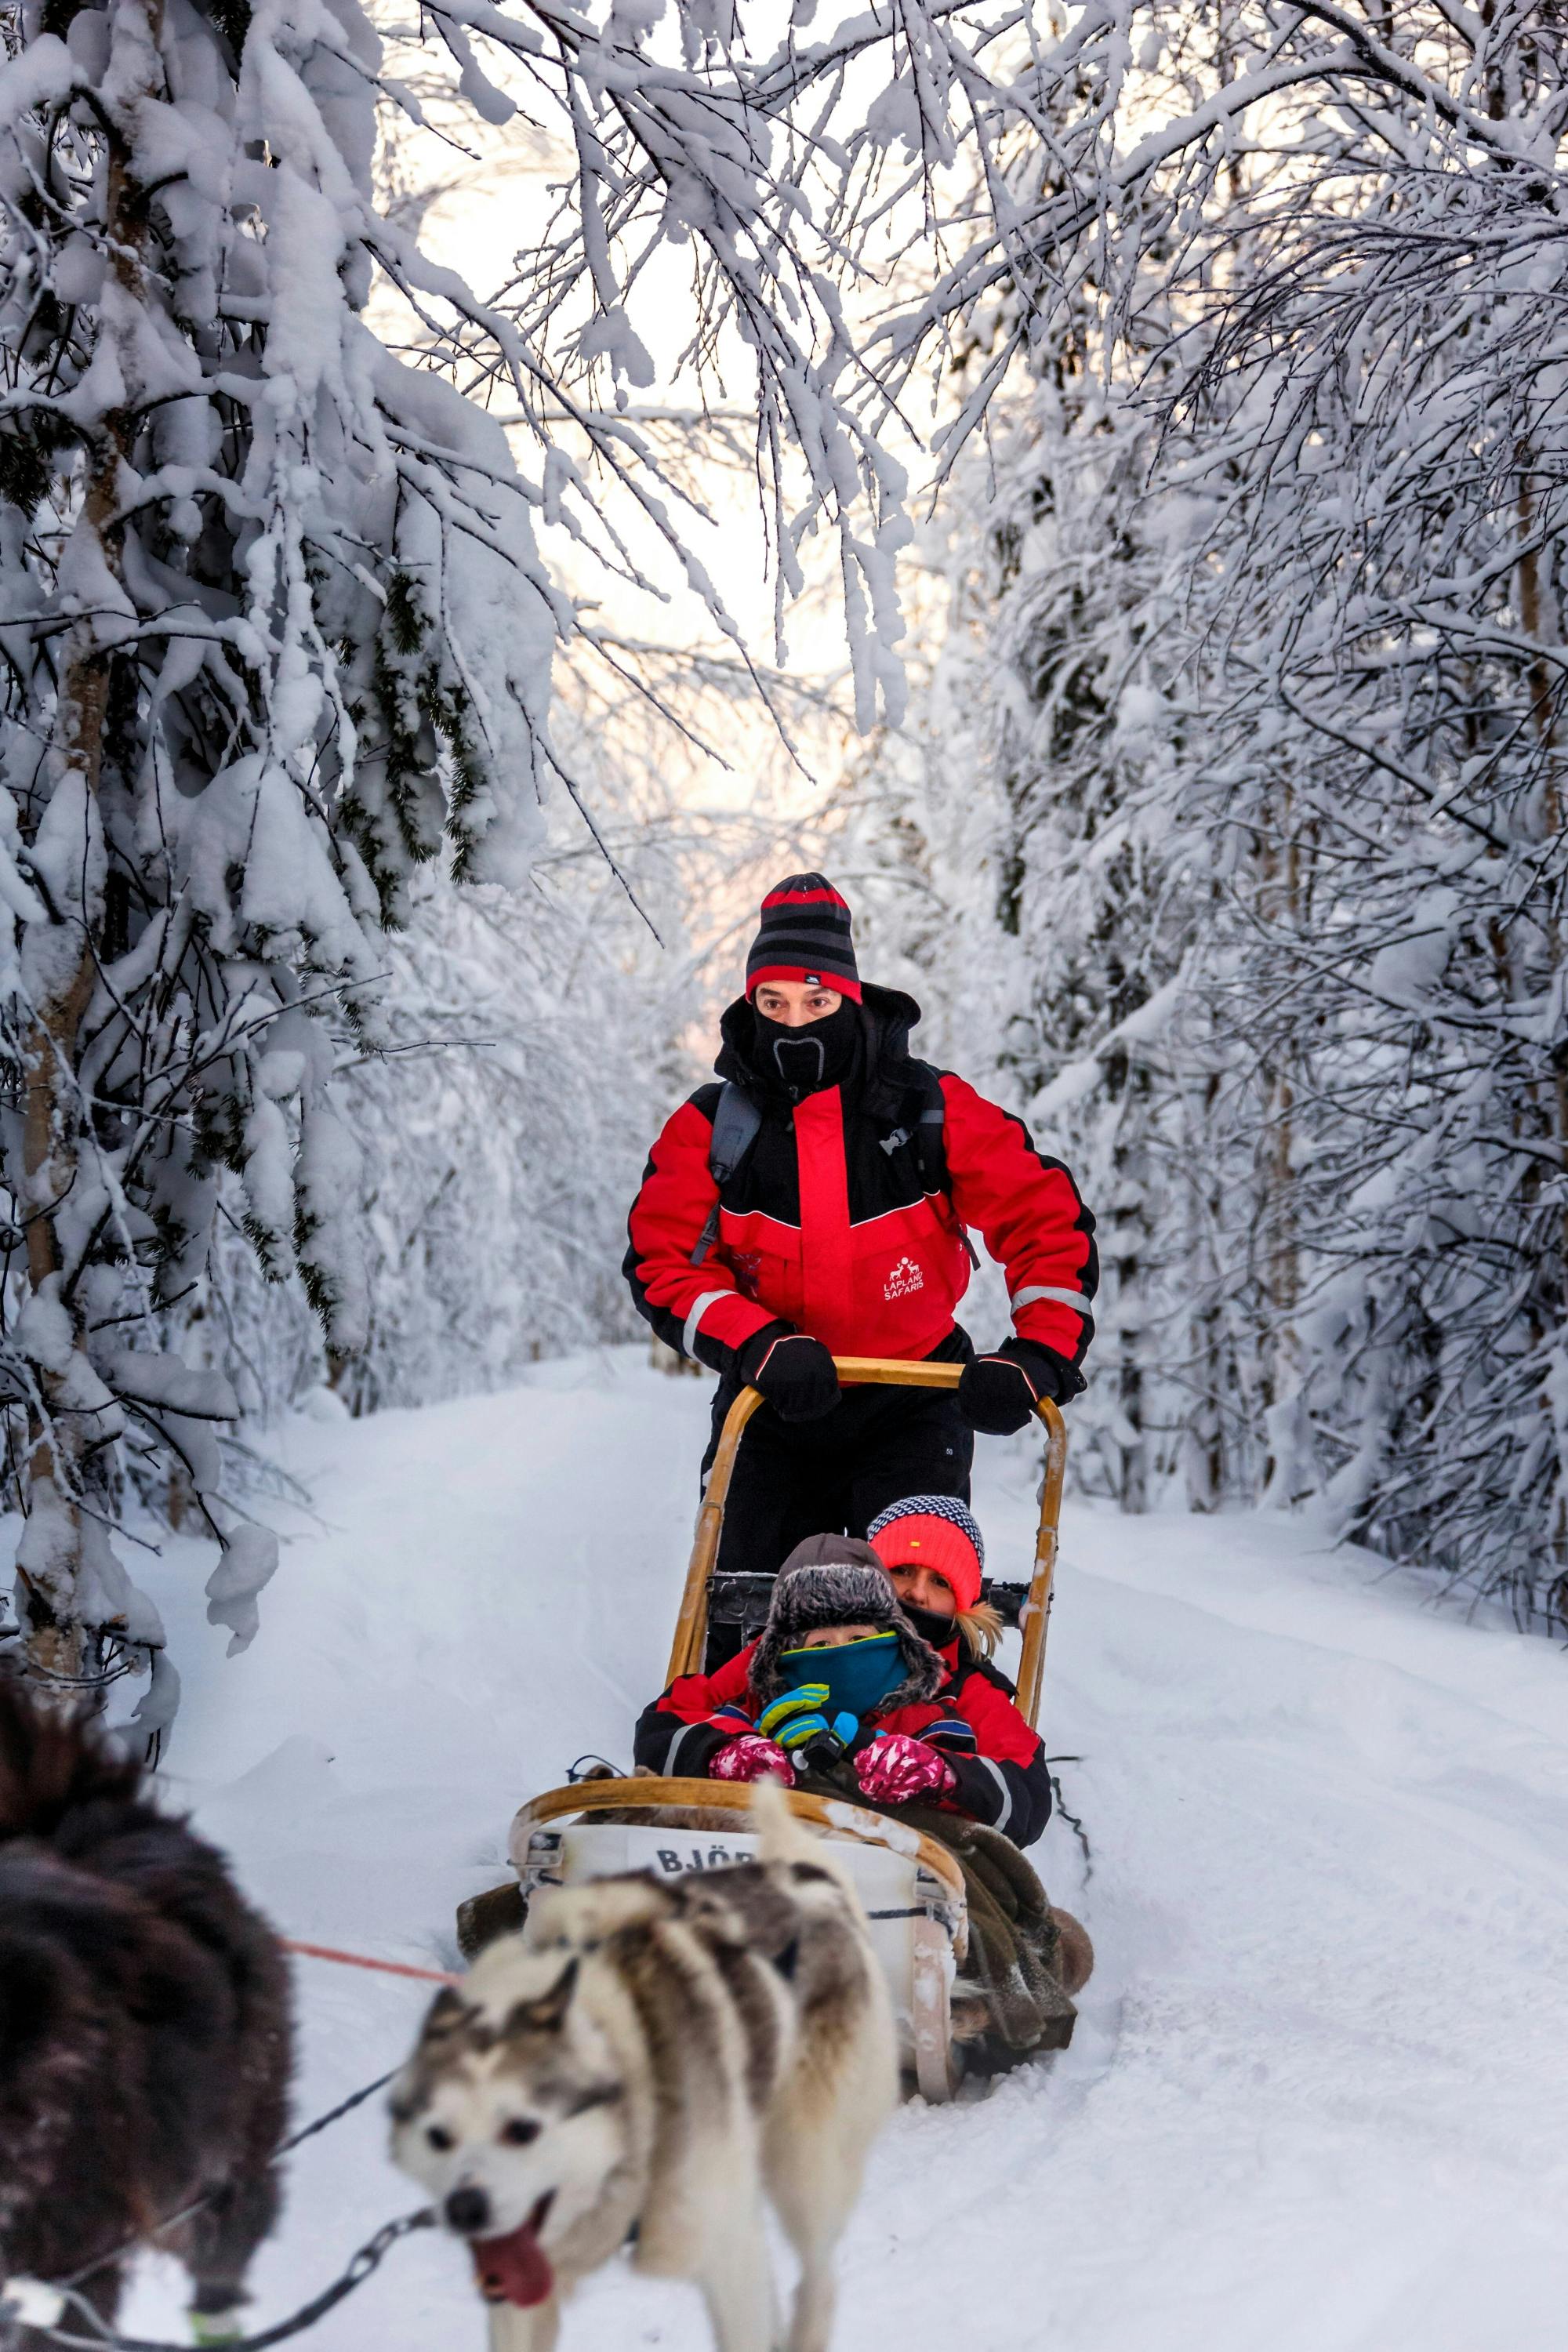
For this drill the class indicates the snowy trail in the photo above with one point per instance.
(1318, 2100)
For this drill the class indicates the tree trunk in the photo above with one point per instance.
(1202, 1436)
(1128, 1255)
(1540, 618)
(1286, 1478)
(61, 1436)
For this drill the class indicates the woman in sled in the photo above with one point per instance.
(841, 1681)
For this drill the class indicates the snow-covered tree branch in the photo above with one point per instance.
(1266, 577)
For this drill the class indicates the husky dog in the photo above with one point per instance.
(144, 2030)
(659, 2055)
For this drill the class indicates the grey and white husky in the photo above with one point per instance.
(660, 2056)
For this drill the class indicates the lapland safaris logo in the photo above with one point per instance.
(905, 1279)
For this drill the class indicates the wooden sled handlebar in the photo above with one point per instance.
(841, 1817)
(893, 1371)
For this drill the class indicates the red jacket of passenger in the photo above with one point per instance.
(843, 1221)
(998, 1763)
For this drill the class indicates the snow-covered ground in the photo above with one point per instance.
(1317, 2100)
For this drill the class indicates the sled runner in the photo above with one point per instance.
(912, 1884)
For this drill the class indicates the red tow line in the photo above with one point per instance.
(359, 1960)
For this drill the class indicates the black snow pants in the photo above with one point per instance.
(832, 1477)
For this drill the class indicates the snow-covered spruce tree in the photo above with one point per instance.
(1055, 720)
(1066, 912)
(1391, 667)
(1350, 218)
(533, 1042)
(501, 1130)
(273, 633)
(1086, 730)
(1361, 246)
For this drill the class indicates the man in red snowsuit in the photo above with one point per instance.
(842, 1231)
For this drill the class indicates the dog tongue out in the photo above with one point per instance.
(516, 2268)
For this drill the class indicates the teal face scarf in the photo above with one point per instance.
(859, 1675)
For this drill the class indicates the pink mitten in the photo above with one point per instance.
(896, 1767)
(752, 1758)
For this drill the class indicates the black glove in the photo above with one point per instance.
(998, 1393)
(794, 1371)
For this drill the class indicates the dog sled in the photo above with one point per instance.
(919, 1897)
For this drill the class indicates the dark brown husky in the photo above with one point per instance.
(145, 2028)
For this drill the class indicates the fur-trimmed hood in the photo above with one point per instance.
(839, 1581)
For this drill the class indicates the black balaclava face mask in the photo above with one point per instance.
(804, 1060)
(931, 1627)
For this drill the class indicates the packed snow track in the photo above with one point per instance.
(1317, 2100)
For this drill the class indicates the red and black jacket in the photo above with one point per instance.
(836, 1222)
(999, 1764)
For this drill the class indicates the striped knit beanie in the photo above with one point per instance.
(934, 1531)
(804, 934)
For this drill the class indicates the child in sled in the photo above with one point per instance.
(840, 1672)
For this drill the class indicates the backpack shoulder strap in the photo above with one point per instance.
(929, 1112)
(736, 1121)
(927, 1120)
(931, 1118)
(921, 1115)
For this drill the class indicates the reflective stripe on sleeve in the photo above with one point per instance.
(689, 1328)
(671, 1767)
(1038, 1290)
(1005, 1815)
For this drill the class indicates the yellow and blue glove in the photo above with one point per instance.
(797, 1718)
